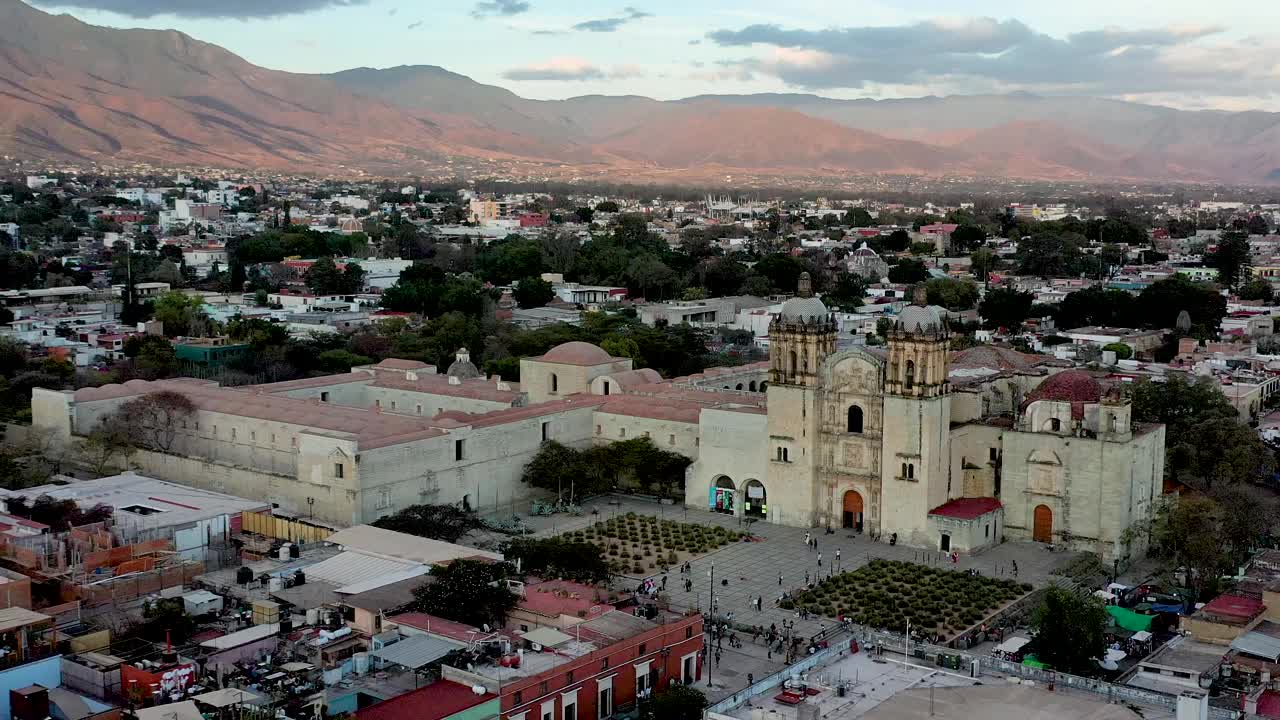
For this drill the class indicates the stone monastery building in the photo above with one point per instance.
(909, 441)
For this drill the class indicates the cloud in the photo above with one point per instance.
(557, 68)
(573, 69)
(235, 9)
(986, 55)
(505, 8)
(547, 32)
(612, 24)
(414, 25)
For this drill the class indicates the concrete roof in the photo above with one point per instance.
(372, 429)
(995, 702)
(417, 651)
(353, 567)
(177, 504)
(389, 543)
(16, 617)
(185, 710)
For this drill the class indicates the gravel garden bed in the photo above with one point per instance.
(641, 544)
(885, 594)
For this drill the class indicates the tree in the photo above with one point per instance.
(923, 248)
(1206, 445)
(257, 332)
(897, 241)
(352, 280)
(180, 314)
(468, 591)
(783, 271)
(1257, 225)
(323, 277)
(341, 361)
(847, 292)
(677, 702)
(1005, 308)
(608, 206)
(968, 238)
(1256, 289)
(438, 522)
(724, 275)
(858, 217)
(1186, 532)
(693, 294)
(153, 356)
(559, 558)
(1096, 306)
(1159, 304)
(533, 292)
(756, 286)
(510, 259)
(105, 443)
(982, 262)
(1069, 632)
(1051, 254)
(952, 294)
(584, 215)
(908, 272)
(155, 418)
(1122, 351)
(1232, 258)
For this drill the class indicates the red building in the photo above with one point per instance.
(601, 665)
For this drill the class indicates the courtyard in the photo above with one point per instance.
(637, 545)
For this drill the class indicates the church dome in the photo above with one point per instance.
(804, 309)
(1074, 386)
(919, 319)
(577, 353)
(462, 367)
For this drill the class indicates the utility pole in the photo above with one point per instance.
(712, 609)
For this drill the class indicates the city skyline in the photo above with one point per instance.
(1187, 57)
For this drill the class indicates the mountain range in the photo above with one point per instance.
(78, 92)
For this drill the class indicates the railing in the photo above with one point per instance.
(1109, 692)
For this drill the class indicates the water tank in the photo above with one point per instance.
(275, 584)
(313, 616)
(362, 662)
(294, 551)
(244, 575)
(284, 553)
(286, 624)
(299, 578)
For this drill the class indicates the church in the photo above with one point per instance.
(909, 441)
(918, 445)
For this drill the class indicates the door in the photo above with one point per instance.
(853, 510)
(1042, 529)
(690, 669)
(605, 706)
(945, 545)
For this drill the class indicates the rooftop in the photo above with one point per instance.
(967, 508)
(389, 543)
(1233, 607)
(562, 597)
(436, 701)
(577, 353)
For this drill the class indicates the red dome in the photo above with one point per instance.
(1074, 386)
(577, 353)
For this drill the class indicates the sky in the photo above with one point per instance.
(1223, 54)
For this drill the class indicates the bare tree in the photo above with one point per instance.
(153, 419)
(108, 441)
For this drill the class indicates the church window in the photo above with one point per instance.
(622, 432)
(855, 419)
(904, 470)
(793, 362)
(555, 383)
(1055, 424)
(911, 374)
(804, 361)
(1111, 422)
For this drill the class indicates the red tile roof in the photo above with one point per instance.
(438, 626)
(967, 508)
(1268, 704)
(562, 597)
(439, 700)
(1232, 605)
(1074, 386)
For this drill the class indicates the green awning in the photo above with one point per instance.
(1031, 661)
(1130, 620)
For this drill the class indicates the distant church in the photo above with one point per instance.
(932, 449)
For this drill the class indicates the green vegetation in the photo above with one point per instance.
(1069, 632)
(468, 591)
(886, 594)
(640, 544)
(635, 465)
(438, 522)
(566, 558)
(677, 702)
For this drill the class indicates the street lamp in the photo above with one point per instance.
(712, 611)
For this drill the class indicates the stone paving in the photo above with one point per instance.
(747, 570)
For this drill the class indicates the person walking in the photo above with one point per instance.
(664, 582)
(806, 539)
(779, 579)
(819, 559)
(837, 557)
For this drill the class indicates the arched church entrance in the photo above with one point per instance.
(852, 510)
(1042, 524)
(755, 503)
(723, 492)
